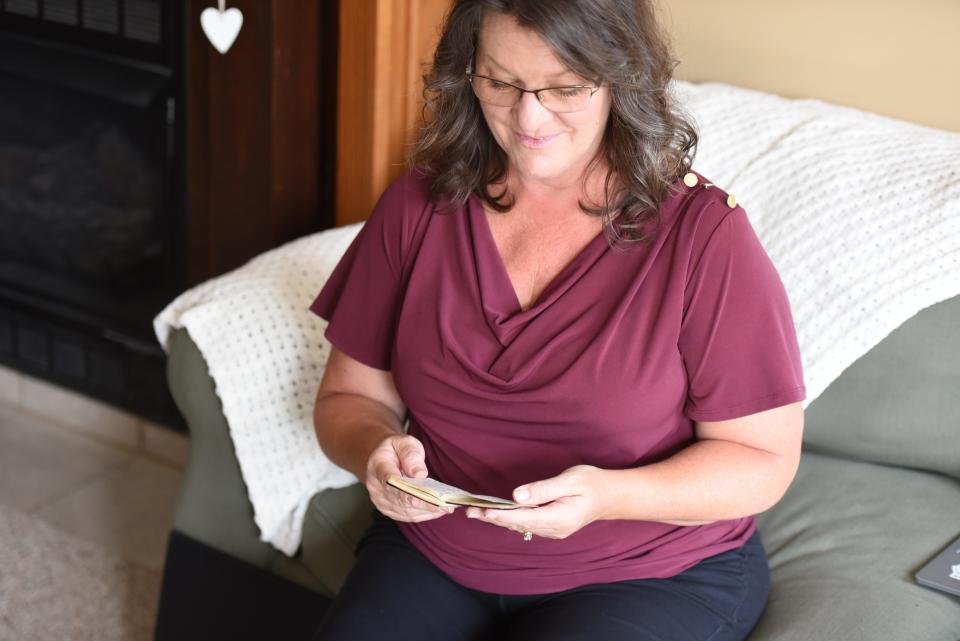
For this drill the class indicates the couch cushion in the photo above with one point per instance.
(844, 544)
(212, 507)
(899, 403)
(334, 522)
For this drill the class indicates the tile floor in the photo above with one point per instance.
(88, 469)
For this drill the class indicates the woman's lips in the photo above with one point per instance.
(535, 143)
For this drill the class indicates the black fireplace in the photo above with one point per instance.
(92, 215)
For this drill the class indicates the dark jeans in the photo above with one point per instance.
(395, 593)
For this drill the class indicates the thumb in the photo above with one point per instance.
(412, 458)
(540, 492)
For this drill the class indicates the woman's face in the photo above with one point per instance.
(541, 145)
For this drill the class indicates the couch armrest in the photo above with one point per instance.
(212, 507)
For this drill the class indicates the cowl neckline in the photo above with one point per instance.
(498, 296)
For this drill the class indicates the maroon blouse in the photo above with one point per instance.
(610, 367)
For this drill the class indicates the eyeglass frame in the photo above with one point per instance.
(536, 92)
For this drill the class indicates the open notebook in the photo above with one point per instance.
(437, 493)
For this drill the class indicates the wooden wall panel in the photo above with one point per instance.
(294, 120)
(254, 130)
(225, 148)
(426, 18)
(383, 47)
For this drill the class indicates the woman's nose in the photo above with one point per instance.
(530, 113)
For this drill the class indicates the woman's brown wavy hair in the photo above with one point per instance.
(648, 142)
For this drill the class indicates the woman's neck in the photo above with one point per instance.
(562, 193)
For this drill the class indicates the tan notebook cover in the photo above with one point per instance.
(437, 493)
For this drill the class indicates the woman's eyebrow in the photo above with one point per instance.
(513, 77)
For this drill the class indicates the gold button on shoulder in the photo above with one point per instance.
(731, 201)
(690, 180)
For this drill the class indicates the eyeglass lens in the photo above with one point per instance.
(559, 99)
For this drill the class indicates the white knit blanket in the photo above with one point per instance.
(860, 214)
(266, 353)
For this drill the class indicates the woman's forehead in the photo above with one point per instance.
(506, 47)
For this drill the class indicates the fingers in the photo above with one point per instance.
(412, 458)
(401, 506)
(399, 455)
(557, 520)
(403, 511)
(519, 521)
(559, 506)
(541, 492)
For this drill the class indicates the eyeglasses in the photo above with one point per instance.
(556, 99)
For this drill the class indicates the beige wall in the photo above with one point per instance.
(900, 58)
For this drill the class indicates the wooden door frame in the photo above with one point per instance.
(384, 45)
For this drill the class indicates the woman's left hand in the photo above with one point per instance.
(559, 506)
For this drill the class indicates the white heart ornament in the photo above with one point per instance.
(221, 27)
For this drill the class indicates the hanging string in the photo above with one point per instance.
(223, 5)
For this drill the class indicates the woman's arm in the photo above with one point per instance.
(736, 468)
(358, 418)
(357, 407)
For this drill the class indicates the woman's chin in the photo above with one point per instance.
(541, 169)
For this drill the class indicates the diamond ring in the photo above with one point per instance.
(527, 535)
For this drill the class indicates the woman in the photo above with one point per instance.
(570, 317)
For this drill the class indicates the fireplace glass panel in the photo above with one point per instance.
(83, 200)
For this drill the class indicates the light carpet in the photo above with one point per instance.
(56, 586)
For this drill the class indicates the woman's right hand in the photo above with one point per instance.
(400, 455)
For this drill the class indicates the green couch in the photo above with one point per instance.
(876, 496)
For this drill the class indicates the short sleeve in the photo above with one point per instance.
(362, 296)
(737, 336)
